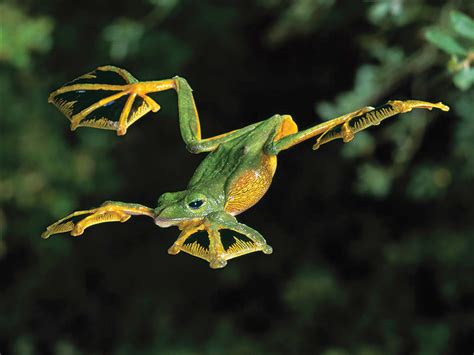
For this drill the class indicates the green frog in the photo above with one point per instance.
(233, 177)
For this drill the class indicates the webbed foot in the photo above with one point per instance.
(348, 125)
(109, 211)
(345, 131)
(107, 98)
(209, 239)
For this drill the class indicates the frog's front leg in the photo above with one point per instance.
(219, 255)
(109, 211)
(216, 253)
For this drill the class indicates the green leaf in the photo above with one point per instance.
(374, 180)
(445, 42)
(123, 35)
(464, 135)
(21, 35)
(462, 24)
(428, 182)
(362, 145)
(379, 12)
(464, 79)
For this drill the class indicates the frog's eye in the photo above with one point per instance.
(196, 204)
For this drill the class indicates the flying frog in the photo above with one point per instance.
(233, 177)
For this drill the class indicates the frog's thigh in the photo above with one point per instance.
(286, 127)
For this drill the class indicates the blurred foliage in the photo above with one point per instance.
(124, 36)
(373, 240)
(459, 43)
(21, 35)
(296, 17)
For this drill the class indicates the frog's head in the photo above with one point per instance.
(175, 208)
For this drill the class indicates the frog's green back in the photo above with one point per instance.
(239, 169)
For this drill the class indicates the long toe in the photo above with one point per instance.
(217, 263)
(173, 250)
(267, 249)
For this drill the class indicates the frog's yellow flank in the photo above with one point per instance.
(233, 177)
(249, 187)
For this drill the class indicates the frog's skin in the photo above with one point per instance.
(233, 177)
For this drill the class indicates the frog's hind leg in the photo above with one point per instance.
(346, 126)
(111, 98)
(109, 211)
(283, 142)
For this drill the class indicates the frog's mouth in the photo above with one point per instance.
(168, 222)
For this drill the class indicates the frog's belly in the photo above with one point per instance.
(250, 186)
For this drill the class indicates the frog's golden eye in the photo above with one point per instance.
(196, 204)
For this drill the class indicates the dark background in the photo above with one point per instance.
(372, 240)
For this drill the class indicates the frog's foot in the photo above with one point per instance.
(347, 126)
(218, 238)
(107, 98)
(342, 124)
(108, 212)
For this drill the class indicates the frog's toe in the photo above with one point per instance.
(267, 249)
(77, 230)
(174, 249)
(217, 263)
